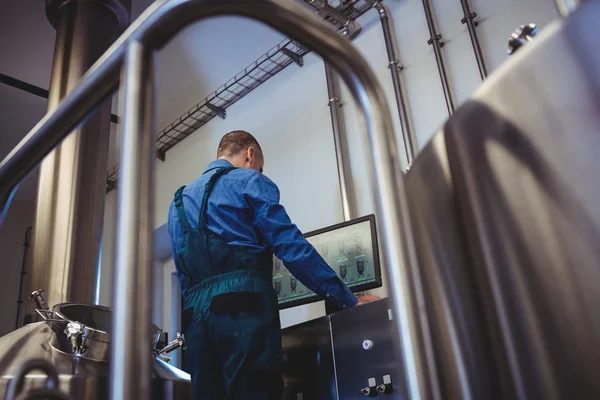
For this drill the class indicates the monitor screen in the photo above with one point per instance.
(350, 249)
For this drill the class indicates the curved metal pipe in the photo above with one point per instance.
(157, 25)
(411, 145)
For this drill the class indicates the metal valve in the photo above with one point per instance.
(178, 342)
(40, 299)
(521, 36)
(74, 330)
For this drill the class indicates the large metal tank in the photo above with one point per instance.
(73, 344)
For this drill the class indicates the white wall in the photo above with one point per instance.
(289, 115)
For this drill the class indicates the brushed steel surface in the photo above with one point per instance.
(353, 364)
(308, 368)
(135, 229)
(461, 357)
(523, 154)
(70, 198)
(80, 378)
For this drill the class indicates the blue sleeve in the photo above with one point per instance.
(290, 246)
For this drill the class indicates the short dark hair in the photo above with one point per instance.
(235, 142)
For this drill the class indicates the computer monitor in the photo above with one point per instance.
(350, 248)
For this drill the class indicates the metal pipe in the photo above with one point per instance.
(566, 7)
(341, 143)
(155, 27)
(469, 19)
(131, 352)
(66, 248)
(26, 245)
(435, 40)
(411, 145)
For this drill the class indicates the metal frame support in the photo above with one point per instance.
(298, 59)
(220, 112)
(411, 145)
(340, 141)
(436, 40)
(130, 352)
(469, 19)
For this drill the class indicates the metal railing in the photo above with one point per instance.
(133, 53)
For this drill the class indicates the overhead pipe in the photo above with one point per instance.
(411, 145)
(436, 40)
(469, 19)
(341, 143)
(154, 28)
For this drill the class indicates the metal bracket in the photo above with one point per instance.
(333, 100)
(471, 17)
(437, 38)
(298, 59)
(217, 110)
(397, 64)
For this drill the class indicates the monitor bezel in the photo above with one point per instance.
(376, 261)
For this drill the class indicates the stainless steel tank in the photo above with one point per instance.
(72, 345)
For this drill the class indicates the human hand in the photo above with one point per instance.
(364, 299)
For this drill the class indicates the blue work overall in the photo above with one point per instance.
(233, 335)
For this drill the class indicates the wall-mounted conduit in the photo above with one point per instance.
(251, 77)
(469, 19)
(436, 40)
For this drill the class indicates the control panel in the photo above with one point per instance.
(350, 249)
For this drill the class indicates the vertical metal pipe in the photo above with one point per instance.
(70, 198)
(341, 143)
(130, 362)
(435, 40)
(411, 145)
(26, 246)
(469, 19)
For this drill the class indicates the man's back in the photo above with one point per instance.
(244, 211)
(224, 228)
(229, 215)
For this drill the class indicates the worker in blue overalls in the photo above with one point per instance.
(224, 229)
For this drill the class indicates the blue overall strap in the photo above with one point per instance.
(185, 224)
(202, 218)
